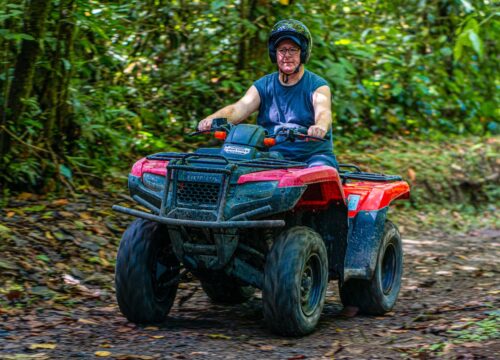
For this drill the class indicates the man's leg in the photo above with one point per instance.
(323, 159)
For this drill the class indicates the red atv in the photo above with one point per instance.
(241, 217)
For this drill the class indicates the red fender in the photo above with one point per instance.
(157, 167)
(370, 195)
(323, 184)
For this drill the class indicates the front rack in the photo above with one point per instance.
(212, 158)
(165, 156)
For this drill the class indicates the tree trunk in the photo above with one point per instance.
(246, 49)
(55, 95)
(65, 116)
(22, 83)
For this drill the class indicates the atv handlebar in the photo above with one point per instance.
(218, 124)
(289, 134)
(292, 134)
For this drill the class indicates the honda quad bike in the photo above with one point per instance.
(241, 217)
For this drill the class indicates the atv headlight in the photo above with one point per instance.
(153, 181)
(255, 190)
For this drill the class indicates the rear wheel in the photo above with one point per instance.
(378, 295)
(224, 289)
(146, 271)
(295, 282)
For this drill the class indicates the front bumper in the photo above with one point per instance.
(202, 224)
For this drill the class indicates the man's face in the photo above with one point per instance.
(288, 56)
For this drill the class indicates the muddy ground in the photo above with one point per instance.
(57, 299)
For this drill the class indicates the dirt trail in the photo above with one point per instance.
(448, 307)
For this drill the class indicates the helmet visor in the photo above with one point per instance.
(288, 37)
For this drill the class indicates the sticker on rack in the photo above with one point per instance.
(236, 150)
(352, 202)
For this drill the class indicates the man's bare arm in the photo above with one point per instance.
(322, 112)
(237, 112)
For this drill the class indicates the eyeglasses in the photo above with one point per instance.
(292, 51)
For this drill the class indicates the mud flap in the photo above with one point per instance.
(365, 232)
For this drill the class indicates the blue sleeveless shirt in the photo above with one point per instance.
(291, 106)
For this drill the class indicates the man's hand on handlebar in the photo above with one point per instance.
(317, 131)
(205, 125)
(293, 133)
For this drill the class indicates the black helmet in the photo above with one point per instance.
(295, 31)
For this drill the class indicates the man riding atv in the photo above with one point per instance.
(244, 216)
(293, 97)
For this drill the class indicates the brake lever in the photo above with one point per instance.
(307, 137)
(199, 132)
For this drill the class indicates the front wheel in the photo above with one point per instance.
(378, 295)
(146, 271)
(295, 282)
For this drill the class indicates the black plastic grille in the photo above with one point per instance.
(197, 193)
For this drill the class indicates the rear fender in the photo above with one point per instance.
(368, 203)
(371, 196)
(364, 236)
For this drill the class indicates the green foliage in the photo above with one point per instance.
(139, 76)
(485, 329)
(468, 332)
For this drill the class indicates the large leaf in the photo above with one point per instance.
(477, 43)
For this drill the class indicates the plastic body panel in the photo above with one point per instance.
(368, 203)
(323, 184)
(363, 242)
(370, 195)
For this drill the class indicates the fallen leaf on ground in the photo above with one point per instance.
(123, 329)
(219, 336)
(87, 321)
(4, 229)
(13, 295)
(60, 202)
(4, 264)
(111, 309)
(335, 348)
(152, 328)
(70, 280)
(39, 356)
(102, 353)
(267, 347)
(42, 346)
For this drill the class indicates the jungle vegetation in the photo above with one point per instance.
(86, 86)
